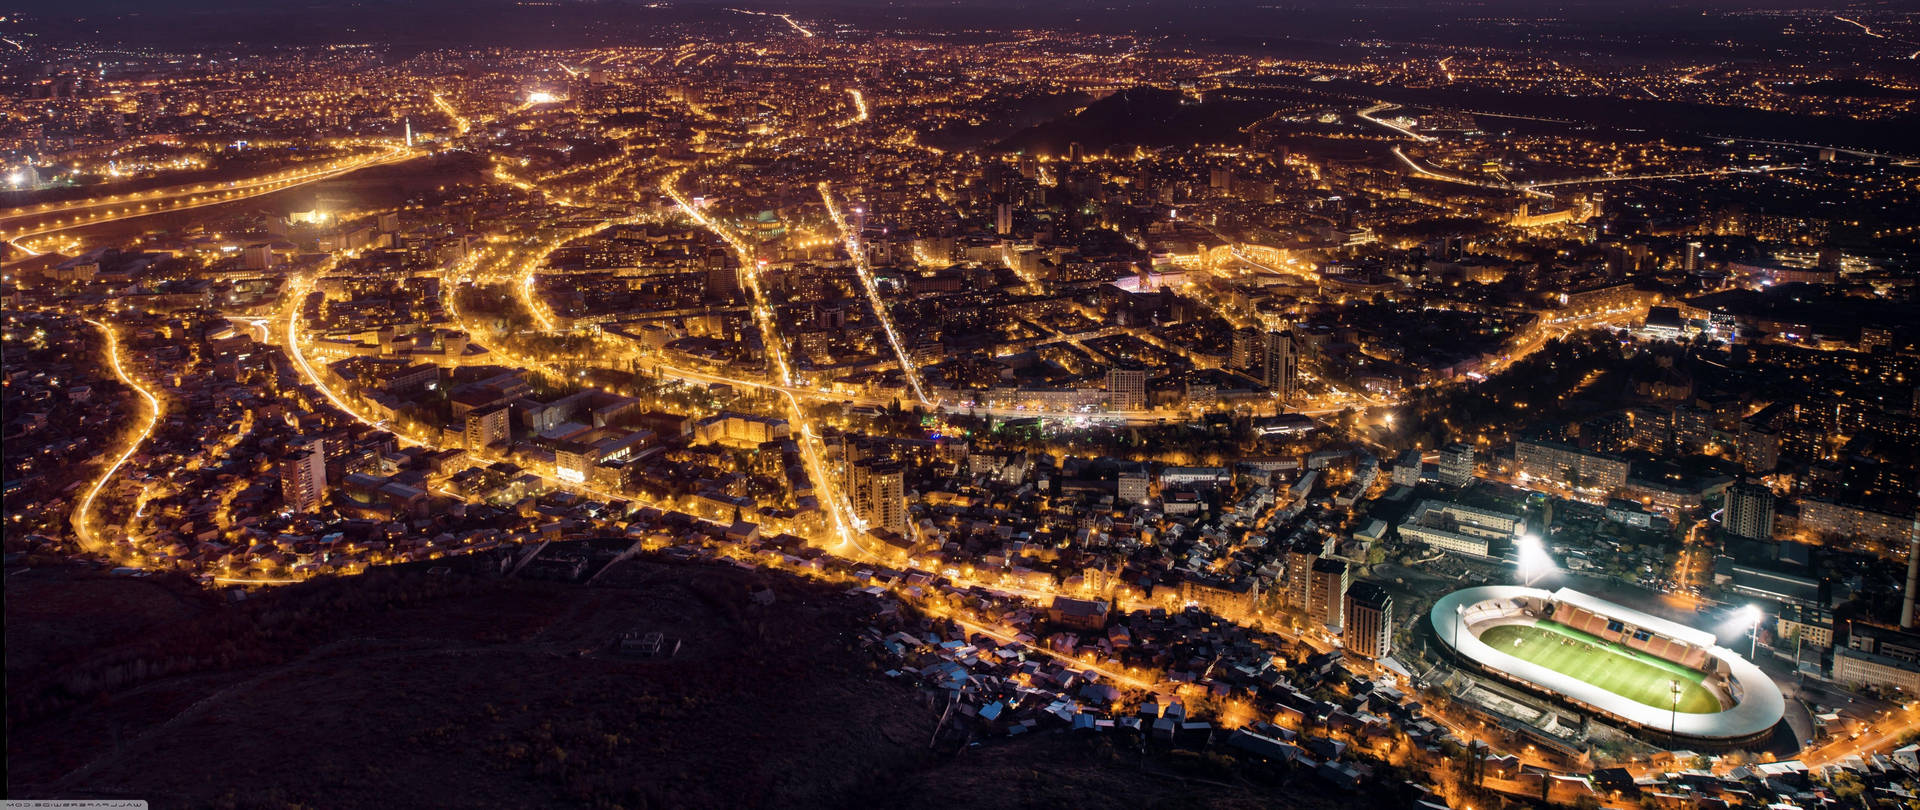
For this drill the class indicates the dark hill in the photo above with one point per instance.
(1142, 117)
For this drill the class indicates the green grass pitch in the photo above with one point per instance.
(1628, 673)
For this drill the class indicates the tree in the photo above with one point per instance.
(1376, 554)
(1847, 787)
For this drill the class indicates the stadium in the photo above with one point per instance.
(1669, 682)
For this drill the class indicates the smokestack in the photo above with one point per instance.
(1913, 575)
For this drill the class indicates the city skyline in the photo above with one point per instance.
(1239, 405)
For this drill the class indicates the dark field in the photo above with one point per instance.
(401, 689)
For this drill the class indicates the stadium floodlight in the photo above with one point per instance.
(1534, 560)
(1673, 724)
(1749, 616)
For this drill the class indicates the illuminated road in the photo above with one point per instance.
(1533, 188)
(186, 198)
(1426, 172)
(1864, 28)
(1666, 176)
(797, 27)
(1883, 732)
(297, 291)
(301, 287)
(1122, 678)
(84, 519)
(859, 108)
(810, 451)
(1383, 106)
(857, 252)
(461, 125)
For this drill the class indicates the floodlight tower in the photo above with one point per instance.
(1534, 561)
(1751, 615)
(1673, 722)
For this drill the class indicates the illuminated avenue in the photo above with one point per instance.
(1153, 387)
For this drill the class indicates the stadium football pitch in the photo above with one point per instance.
(1633, 675)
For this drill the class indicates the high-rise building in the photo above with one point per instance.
(880, 494)
(1457, 465)
(303, 475)
(259, 256)
(1246, 351)
(1281, 365)
(1690, 262)
(1569, 466)
(1301, 557)
(1003, 219)
(1127, 389)
(488, 425)
(1749, 511)
(1368, 631)
(1132, 485)
(1758, 448)
(1875, 338)
(723, 281)
(1327, 591)
(1406, 470)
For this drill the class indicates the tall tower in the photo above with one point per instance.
(1368, 630)
(1457, 465)
(1127, 389)
(303, 476)
(1003, 219)
(1282, 365)
(1750, 511)
(1246, 350)
(1327, 591)
(880, 494)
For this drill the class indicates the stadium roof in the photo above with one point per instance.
(1758, 705)
(1644, 621)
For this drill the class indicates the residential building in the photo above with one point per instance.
(879, 494)
(489, 426)
(1811, 626)
(303, 475)
(1569, 466)
(1749, 511)
(1281, 365)
(1457, 465)
(1854, 669)
(1406, 470)
(1127, 389)
(1327, 591)
(1368, 631)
